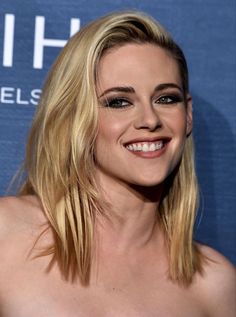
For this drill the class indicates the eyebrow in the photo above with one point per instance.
(164, 86)
(118, 89)
(127, 89)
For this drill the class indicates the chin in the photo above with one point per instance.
(153, 180)
(150, 183)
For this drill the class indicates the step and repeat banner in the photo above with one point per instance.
(32, 32)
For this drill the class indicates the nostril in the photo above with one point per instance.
(148, 118)
(150, 125)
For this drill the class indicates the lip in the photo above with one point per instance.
(165, 140)
(151, 154)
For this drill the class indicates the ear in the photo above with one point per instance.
(189, 112)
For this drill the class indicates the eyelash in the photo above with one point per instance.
(112, 103)
(124, 103)
(175, 98)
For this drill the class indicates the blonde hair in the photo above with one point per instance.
(60, 151)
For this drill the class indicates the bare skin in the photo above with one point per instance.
(124, 282)
(129, 266)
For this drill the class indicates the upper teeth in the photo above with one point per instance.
(145, 146)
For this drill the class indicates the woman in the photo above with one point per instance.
(104, 221)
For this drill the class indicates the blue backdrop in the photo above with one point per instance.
(33, 32)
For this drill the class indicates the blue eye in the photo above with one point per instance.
(117, 103)
(169, 99)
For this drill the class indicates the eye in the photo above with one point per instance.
(117, 103)
(169, 99)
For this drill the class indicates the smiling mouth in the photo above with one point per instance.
(146, 146)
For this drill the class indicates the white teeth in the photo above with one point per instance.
(152, 147)
(158, 146)
(139, 147)
(145, 147)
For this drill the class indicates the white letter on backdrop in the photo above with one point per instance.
(40, 41)
(8, 42)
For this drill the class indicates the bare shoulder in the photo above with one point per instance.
(21, 222)
(218, 283)
(18, 212)
(216, 265)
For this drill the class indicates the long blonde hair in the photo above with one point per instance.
(60, 151)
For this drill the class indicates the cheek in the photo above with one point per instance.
(108, 140)
(177, 121)
(107, 133)
(110, 129)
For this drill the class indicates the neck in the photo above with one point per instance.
(129, 220)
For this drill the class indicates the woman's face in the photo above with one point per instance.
(143, 115)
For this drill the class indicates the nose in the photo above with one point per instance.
(147, 118)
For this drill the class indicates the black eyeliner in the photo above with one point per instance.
(112, 102)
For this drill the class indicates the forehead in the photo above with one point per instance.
(131, 63)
